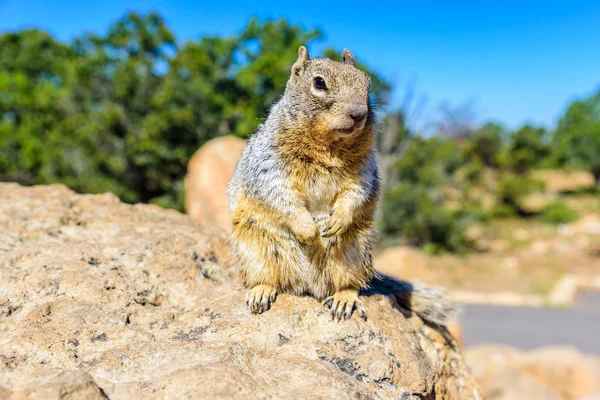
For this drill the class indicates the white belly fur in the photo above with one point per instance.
(320, 192)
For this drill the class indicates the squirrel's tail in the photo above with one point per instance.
(430, 303)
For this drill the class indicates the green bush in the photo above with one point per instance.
(511, 190)
(558, 212)
(430, 206)
(434, 162)
(420, 218)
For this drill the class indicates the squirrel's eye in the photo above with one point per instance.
(320, 83)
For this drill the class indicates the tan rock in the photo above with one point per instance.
(403, 262)
(535, 202)
(593, 396)
(565, 369)
(490, 358)
(100, 297)
(209, 172)
(513, 385)
(67, 385)
(455, 329)
(554, 372)
(498, 246)
(560, 181)
(589, 224)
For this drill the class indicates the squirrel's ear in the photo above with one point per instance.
(303, 56)
(348, 57)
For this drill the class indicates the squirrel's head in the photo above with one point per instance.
(333, 95)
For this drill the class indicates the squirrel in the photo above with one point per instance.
(303, 195)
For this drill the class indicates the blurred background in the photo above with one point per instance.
(489, 136)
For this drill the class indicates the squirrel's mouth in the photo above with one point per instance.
(344, 131)
(357, 125)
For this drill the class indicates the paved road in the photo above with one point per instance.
(529, 327)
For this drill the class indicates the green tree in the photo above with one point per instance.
(32, 66)
(124, 111)
(485, 144)
(526, 148)
(577, 138)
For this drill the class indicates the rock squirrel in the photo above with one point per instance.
(304, 193)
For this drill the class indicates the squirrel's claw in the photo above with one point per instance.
(337, 224)
(333, 228)
(260, 298)
(343, 303)
(331, 231)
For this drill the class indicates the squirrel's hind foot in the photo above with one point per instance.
(260, 298)
(342, 304)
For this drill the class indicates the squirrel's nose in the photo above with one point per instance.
(358, 113)
(358, 117)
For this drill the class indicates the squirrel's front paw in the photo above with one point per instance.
(342, 304)
(339, 221)
(306, 231)
(260, 298)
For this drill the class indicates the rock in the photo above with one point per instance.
(455, 329)
(475, 232)
(101, 298)
(535, 202)
(563, 181)
(486, 359)
(209, 172)
(521, 234)
(548, 372)
(541, 246)
(593, 396)
(513, 385)
(403, 262)
(589, 225)
(67, 385)
(565, 369)
(510, 262)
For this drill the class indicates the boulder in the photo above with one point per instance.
(545, 373)
(593, 396)
(67, 385)
(403, 262)
(102, 299)
(564, 181)
(456, 330)
(514, 385)
(208, 174)
(535, 202)
(565, 369)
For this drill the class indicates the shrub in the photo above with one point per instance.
(511, 190)
(419, 217)
(558, 212)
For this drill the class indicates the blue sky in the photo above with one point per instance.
(517, 61)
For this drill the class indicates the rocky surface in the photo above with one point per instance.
(99, 299)
(546, 373)
(209, 172)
